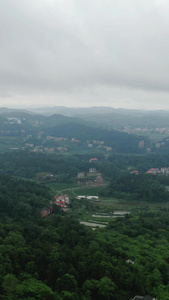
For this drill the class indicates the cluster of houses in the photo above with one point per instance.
(93, 176)
(99, 144)
(157, 145)
(61, 200)
(58, 143)
(90, 178)
(62, 149)
(139, 131)
(154, 171)
(56, 139)
(13, 120)
(43, 149)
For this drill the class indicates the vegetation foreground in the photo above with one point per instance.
(58, 258)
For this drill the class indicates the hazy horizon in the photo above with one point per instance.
(75, 107)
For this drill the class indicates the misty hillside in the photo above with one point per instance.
(109, 118)
(120, 121)
(4, 110)
(119, 141)
(30, 126)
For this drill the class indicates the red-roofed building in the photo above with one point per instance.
(153, 171)
(134, 172)
(93, 159)
(64, 198)
(61, 203)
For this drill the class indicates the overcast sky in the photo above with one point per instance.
(84, 53)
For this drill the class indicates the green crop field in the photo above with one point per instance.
(10, 143)
(61, 187)
(88, 191)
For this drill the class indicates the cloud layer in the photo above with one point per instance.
(84, 53)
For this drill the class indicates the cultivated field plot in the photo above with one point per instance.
(10, 143)
(98, 213)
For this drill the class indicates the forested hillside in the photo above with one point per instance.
(57, 258)
(119, 133)
(36, 129)
(27, 164)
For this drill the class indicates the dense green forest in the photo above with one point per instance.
(57, 258)
(27, 164)
(139, 187)
(122, 142)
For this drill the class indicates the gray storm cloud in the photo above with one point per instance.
(84, 52)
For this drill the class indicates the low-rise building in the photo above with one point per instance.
(81, 175)
(93, 159)
(153, 171)
(141, 144)
(134, 172)
(92, 171)
(165, 170)
(64, 198)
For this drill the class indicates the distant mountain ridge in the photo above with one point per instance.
(101, 116)
(4, 110)
(112, 118)
(72, 111)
